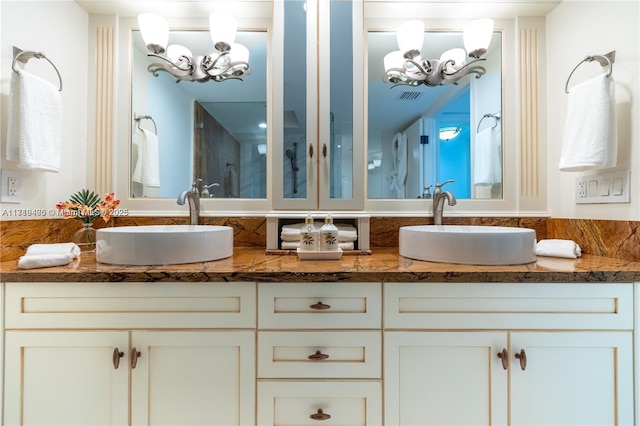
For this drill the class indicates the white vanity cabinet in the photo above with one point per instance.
(508, 354)
(319, 354)
(133, 353)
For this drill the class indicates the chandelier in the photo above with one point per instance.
(406, 66)
(229, 61)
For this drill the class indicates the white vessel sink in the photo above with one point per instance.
(475, 245)
(163, 244)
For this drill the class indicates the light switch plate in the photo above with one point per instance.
(603, 188)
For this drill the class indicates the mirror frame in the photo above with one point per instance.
(168, 206)
(464, 207)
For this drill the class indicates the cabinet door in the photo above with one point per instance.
(445, 378)
(318, 161)
(572, 378)
(312, 403)
(194, 378)
(66, 378)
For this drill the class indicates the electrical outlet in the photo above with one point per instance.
(582, 188)
(11, 186)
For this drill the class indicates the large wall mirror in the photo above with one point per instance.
(214, 131)
(420, 135)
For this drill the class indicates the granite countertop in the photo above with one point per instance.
(383, 264)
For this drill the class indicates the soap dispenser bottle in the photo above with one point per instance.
(309, 235)
(328, 235)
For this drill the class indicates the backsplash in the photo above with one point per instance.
(609, 238)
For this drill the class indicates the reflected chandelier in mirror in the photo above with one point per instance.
(407, 66)
(229, 61)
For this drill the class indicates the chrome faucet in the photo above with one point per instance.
(438, 201)
(193, 196)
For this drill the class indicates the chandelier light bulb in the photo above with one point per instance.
(477, 36)
(223, 28)
(410, 36)
(393, 60)
(239, 53)
(155, 31)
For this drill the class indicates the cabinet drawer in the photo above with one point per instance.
(321, 355)
(130, 305)
(319, 305)
(293, 403)
(508, 306)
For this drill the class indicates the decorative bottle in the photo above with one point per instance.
(328, 235)
(309, 235)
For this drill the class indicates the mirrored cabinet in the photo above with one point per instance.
(318, 112)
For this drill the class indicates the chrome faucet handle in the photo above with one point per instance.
(195, 186)
(440, 185)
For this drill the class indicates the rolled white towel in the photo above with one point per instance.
(291, 233)
(44, 260)
(57, 248)
(291, 245)
(558, 248)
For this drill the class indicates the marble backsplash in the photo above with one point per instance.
(615, 239)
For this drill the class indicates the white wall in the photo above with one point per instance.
(59, 29)
(576, 29)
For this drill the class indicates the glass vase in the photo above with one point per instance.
(85, 238)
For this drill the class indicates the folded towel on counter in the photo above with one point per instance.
(44, 260)
(147, 170)
(58, 248)
(46, 255)
(290, 245)
(558, 248)
(34, 128)
(345, 232)
(590, 137)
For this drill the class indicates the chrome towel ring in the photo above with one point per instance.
(138, 118)
(604, 60)
(496, 118)
(24, 56)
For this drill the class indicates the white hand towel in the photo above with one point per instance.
(44, 260)
(58, 248)
(590, 135)
(558, 248)
(34, 134)
(147, 170)
(290, 245)
(487, 158)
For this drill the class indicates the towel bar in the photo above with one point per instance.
(24, 56)
(604, 60)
